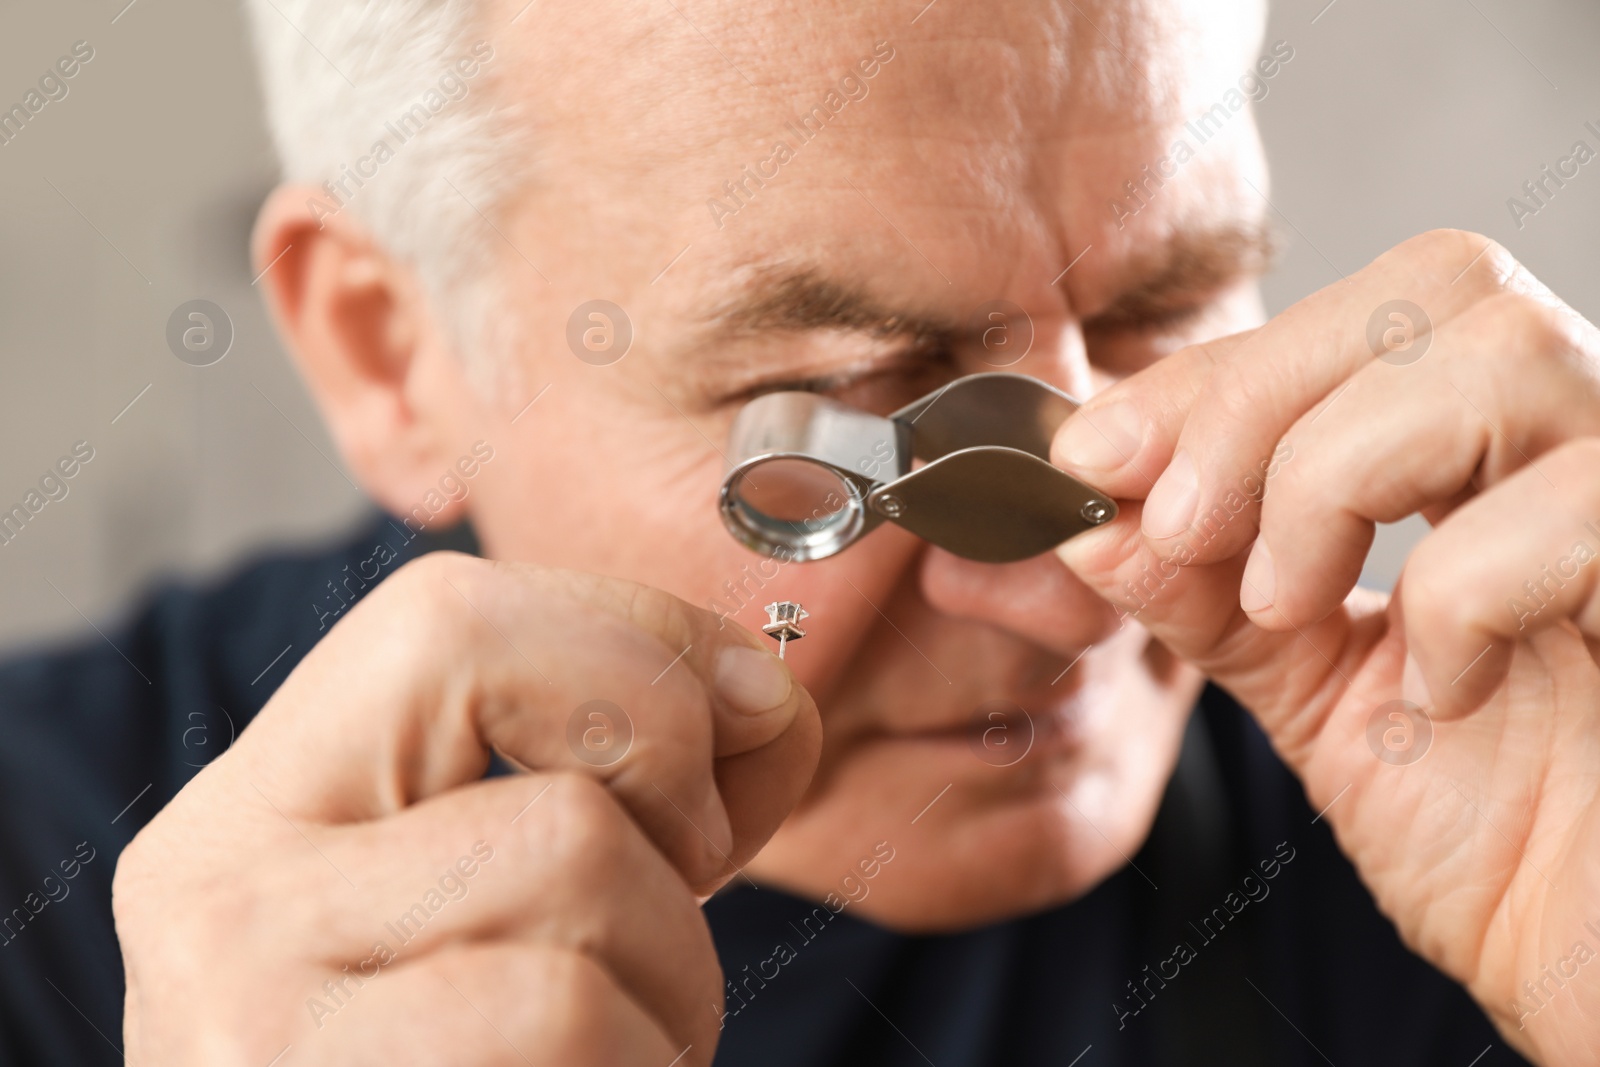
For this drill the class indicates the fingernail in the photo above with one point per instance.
(750, 680)
(1101, 440)
(1170, 508)
(1413, 686)
(1260, 578)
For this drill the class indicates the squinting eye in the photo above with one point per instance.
(1129, 346)
(881, 394)
(1174, 319)
(1152, 321)
(881, 390)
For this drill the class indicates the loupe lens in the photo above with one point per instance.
(792, 508)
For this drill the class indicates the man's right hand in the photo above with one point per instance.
(343, 886)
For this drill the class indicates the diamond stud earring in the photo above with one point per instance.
(785, 624)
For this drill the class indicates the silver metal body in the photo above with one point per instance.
(966, 467)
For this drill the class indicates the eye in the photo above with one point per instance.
(1153, 319)
(882, 387)
(1171, 319)
(1126, 344)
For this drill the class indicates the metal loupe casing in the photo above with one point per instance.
(808, 476)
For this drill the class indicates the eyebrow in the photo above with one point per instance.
(775, 298)
(1169, 279)
(1189, 267)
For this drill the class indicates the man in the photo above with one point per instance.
(828, 198)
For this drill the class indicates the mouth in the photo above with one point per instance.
(1052, 705)
(1035, 713)
(1003, 732)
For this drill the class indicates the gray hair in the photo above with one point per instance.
(386, 104)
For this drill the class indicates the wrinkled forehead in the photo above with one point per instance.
(673, 89)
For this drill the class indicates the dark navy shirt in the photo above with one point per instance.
(1238, 935)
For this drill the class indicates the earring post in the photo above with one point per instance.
(784, 624)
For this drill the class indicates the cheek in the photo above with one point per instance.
(1142, 697)
(597, 485)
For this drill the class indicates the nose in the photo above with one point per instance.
(1036, 599)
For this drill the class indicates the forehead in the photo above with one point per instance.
(706, 74)
(940, 138)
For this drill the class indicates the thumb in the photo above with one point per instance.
(1193, 609)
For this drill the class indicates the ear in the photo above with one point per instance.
(359, 327)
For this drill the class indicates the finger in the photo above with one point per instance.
(489, 1005)
(454, 657)
(546, 859)
(1285, 369)
(1515, 560)
(1121, 439)
(1505, 381)
(764, 759)
(1193, 610)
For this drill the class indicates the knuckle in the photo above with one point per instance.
(164, 906)
(1236, 396)
(1282, 486)
(431, 566)
(1465, 259)
(429, 600)
(1171, 384)
(421, 580)
(1204, 355)
(649, 612)
(147, 878)
(128, 882)
(581, 831)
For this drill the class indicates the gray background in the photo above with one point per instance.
(136, 193)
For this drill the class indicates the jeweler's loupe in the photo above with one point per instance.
(809, 476)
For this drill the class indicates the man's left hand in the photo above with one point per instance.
(1452, 731)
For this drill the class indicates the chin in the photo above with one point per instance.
(972, 844)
